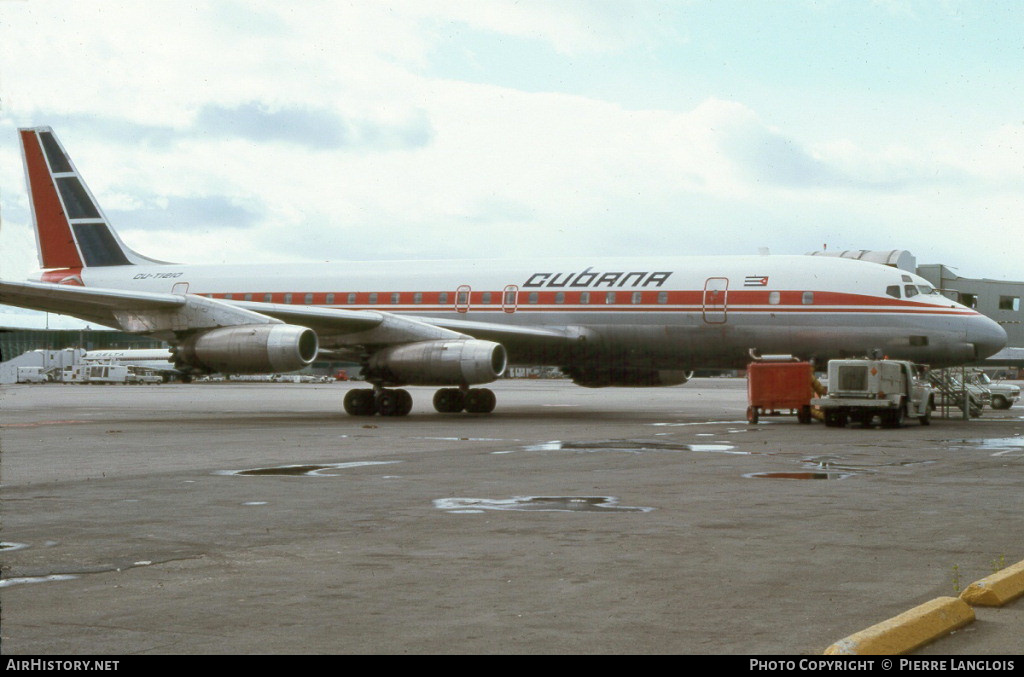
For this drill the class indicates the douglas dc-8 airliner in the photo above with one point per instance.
(458, 324)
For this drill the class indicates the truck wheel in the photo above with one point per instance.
(835, 419)
(752, 415)
(927, 418)
(803, 414)
(1000, 402)
(895, 418)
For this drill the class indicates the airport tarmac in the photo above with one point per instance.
(258, 518)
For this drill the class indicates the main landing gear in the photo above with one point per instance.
(392, 402)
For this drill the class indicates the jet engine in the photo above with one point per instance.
(439, 363)
(249, 349)
(629, 378)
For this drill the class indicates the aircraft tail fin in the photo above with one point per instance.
(71, 229)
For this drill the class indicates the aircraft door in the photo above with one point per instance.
(716, 300)
(510, 298)
(462, 298)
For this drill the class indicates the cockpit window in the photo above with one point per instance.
(910, 290)
(926, 289)
(893, 291)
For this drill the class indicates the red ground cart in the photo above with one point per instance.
(779, 389)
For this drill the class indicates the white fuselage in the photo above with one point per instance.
(658, 313)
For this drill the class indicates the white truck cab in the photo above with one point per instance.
(860, 390)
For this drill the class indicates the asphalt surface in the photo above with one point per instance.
(569, 521)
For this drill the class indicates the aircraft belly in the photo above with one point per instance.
(686, 341)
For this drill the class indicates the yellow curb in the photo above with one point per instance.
(1001, 587)
(908, 631)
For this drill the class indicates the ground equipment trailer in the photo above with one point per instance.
(861, 390)
(774, 387)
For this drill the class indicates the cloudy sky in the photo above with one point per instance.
(230, 131)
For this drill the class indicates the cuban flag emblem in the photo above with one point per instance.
(755, 281)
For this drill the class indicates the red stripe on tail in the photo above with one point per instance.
(56, 243)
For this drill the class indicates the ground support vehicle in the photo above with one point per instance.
(1001, 395)
(774, 387)
(862, 390)
(951, 389)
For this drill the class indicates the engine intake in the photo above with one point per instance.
(439, 363)
(249, 349)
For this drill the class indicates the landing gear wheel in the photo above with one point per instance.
(480, 401)
(449, 400)
(394, 402)
(360, 402)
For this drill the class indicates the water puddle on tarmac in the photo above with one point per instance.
(832, 468)
(603, 504)
(631, 446)
(310, 470)
(799, 475)
(7, 582)
(8, 546)
(999, 446)
(680, 425)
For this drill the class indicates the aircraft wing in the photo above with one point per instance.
(162, 314)
(335, 327)
(86, 303)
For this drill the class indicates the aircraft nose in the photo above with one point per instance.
(986, 335)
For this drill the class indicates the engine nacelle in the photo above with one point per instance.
(439, 363)
(249, 349)
(628, 378)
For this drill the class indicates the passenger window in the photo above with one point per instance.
(417, 298)
(893, 291)
(910, 290)
(609, 298)
(228, 296)
(663, 297)
(248, 297)
(584, 297)
(808, 298)
(486, 298)
(373, 298)
(638, 297)
(442, 298)
(287, 298)
(774, 297)
(560, 297)
(533, 297)
(351, 298)
(267, 298)
(309, 300)
(330, 299)
(395, 298)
